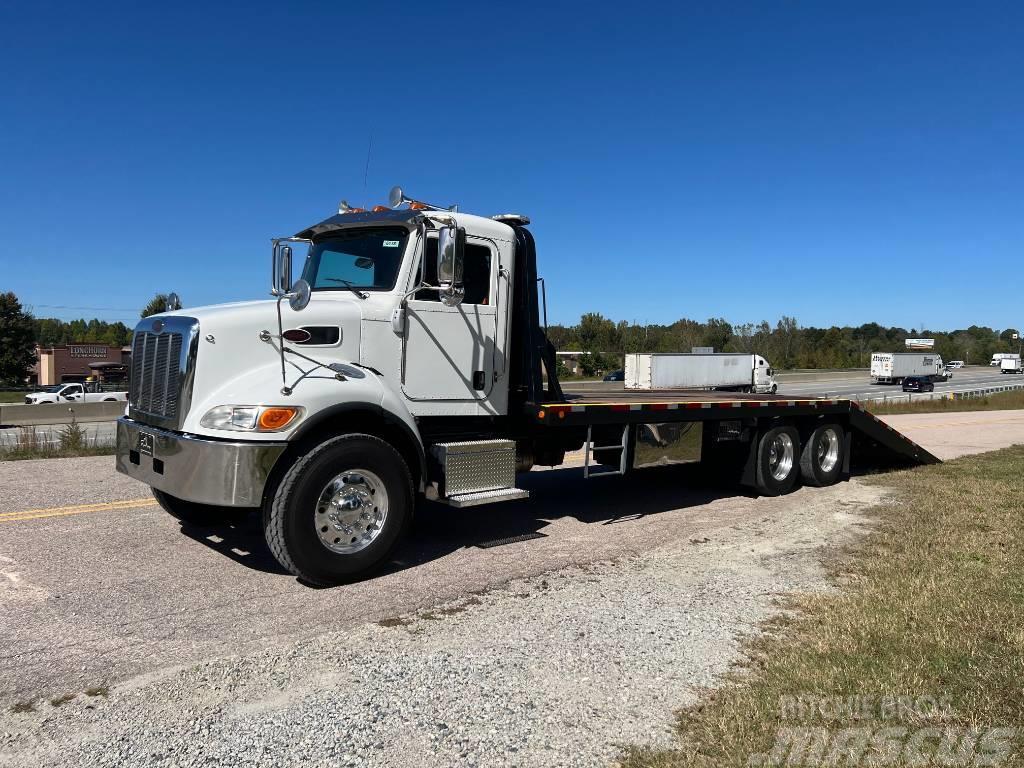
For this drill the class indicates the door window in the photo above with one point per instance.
(476, 273)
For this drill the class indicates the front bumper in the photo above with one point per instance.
(218, 472)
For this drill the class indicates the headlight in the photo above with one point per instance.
(251, 418)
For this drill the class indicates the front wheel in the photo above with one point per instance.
(198, 514)
(339, 510)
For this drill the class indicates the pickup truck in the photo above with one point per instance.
(75, 393)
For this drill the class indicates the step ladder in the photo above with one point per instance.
(589, 448)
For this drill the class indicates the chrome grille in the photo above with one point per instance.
(161, 370)
(155, 373)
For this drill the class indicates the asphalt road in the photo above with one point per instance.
(97, 584)
(858, 386)
(855, 385)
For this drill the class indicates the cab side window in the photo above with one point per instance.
(476, 274)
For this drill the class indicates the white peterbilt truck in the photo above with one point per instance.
(409, 361)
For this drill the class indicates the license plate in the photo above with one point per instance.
(146, 443)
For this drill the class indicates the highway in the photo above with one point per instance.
(857, 386)
(854, 385)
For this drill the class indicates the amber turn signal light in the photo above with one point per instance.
(277, 418)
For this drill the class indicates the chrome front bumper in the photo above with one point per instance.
(226, 474)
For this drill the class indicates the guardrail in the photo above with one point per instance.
(58, 413)
(908, 397)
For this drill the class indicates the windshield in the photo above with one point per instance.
(367, 258)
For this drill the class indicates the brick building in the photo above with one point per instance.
(78, 362)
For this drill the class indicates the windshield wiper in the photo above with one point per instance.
(349, 285)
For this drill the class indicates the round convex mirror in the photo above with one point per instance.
(299, 296)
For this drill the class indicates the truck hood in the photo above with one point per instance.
(231, 356)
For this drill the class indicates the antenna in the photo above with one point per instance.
(366, 170)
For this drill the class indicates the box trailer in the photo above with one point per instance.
(1011, 364)
(410, 361)
(724, 371)
(893, 367)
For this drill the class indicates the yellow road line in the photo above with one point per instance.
(77, 509)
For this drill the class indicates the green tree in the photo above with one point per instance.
(156, 305)
(17, 340)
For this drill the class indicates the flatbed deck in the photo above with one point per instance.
(583, 409)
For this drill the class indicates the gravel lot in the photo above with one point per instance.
(549, 670)
(125, 642)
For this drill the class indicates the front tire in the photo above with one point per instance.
(823, 456)
(777, 463)
(193, 513)
(339, 510)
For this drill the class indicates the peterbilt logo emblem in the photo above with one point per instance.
(158, 325)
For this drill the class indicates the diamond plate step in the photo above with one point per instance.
(485, 497)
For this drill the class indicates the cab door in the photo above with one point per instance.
(450, 351)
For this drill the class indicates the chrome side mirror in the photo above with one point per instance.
(281, 270)
(451, 255)
(298, 297)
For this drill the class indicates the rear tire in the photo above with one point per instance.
(193, 513)
(339, 510)
(777, 462)
(823, 456)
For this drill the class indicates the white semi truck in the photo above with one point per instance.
(1011, 364)
(893, 367)
(725, 371)
(408, 362)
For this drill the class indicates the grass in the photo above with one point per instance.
(931, 604)
(73, 440)
(12, 397)
(998, 402)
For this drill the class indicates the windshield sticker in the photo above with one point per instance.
(390, 243)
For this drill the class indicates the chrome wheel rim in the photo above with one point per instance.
(781, 454)
(828, 449)
(351, 511)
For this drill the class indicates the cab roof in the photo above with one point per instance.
(477, 225)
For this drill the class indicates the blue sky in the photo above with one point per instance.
(842, 162)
